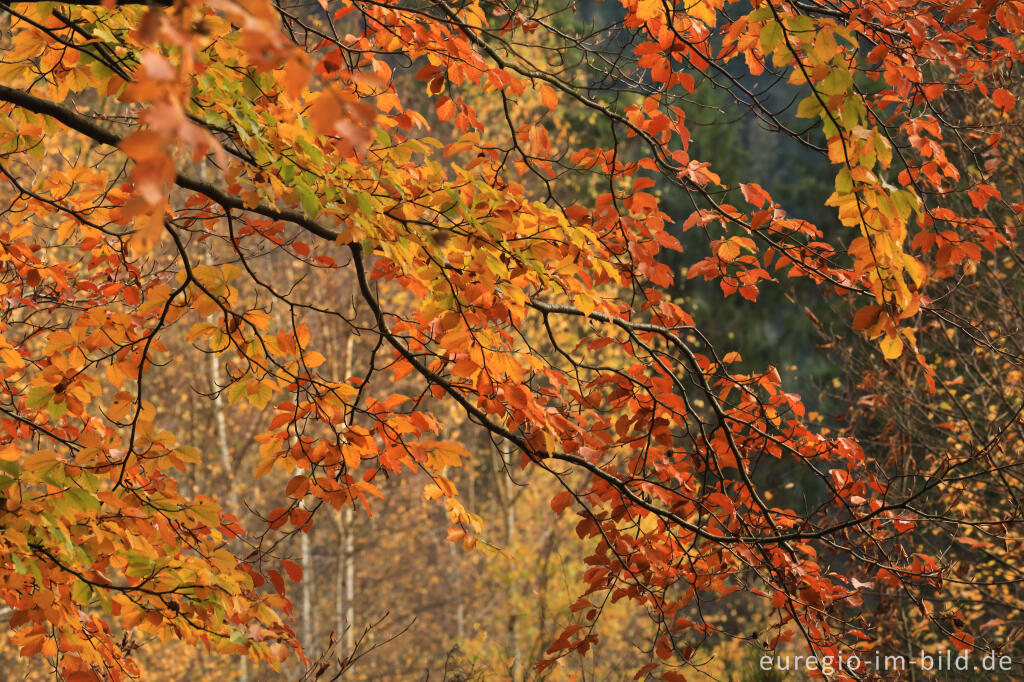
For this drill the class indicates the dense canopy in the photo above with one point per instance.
(319, 248)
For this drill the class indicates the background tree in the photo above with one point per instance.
(920, 423)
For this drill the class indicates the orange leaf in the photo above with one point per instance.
(866, 316)
(754, 194)
(729, 251)
(1003, 99)
(297, 487)
(548, 97)
(81, 676)
(296, 75)
(445, 108)
(143, 145)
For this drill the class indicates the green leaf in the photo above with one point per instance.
(236, 392)
(844, 183)
(310, 204)
(57, 410)
(771, 36)
(81, 592)
(809, 107)
(838, 80)
(800, 24)
(39, 397)
(82, 500)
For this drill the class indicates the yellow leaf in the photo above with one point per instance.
(703, 10)
(892, 346)
(648, 9)
(584, 303)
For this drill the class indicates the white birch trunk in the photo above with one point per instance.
(228, 466)
(344, 585)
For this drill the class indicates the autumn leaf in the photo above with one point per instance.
(293, 570)
(1003, 99)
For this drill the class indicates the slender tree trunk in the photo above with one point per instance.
(350, 583)
(507, 497)
(308, 627)
(339, 580)
(306, 562)
(513, 625)
(344, 583)
(228, 466)
(456, 581)
(222, 435)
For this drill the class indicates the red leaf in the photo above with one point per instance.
(720, 500)
(560, 501)
(276, 580)
(962, 641)
(293, 570)
(277, 518)
(301, 518)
